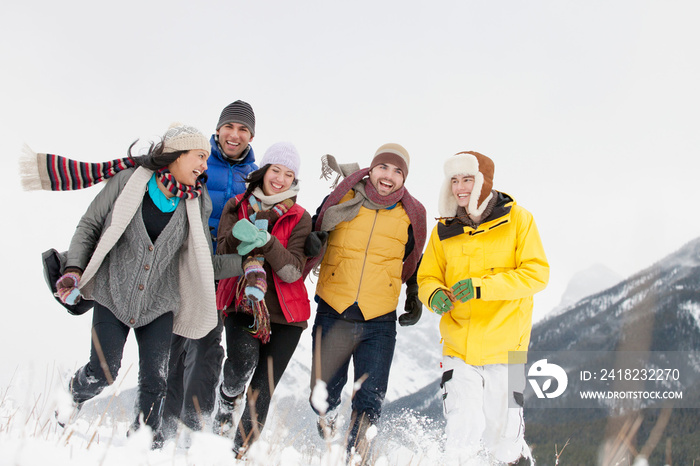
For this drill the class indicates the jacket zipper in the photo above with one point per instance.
(283, 302)
(362, 272)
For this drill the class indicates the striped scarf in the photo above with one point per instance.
(51, 172)
(176, 188)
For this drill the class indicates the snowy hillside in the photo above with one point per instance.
(659, 303)
(585, 283)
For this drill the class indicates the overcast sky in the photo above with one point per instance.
(590, 111)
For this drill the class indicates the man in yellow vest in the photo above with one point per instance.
(373, 231)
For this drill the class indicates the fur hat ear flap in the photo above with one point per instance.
(467, 163)
(483, 185)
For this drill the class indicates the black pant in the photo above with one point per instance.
(195, 367)
(108, 338)
(246, 355)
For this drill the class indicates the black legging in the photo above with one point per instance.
(245, 356)
(154, 350)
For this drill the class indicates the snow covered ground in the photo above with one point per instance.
(30, 434)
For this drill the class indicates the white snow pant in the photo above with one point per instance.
(476, 403)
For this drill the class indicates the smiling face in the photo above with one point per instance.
(187, 168)
(233, 139)
(462, 186)
(277, 179)
(386, 178)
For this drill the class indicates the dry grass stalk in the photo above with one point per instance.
(558, 453)
(109, 403)
(657, 432)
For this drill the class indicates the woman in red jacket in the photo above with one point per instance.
(267, 308)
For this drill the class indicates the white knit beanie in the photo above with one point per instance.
(283, 153)
(471, 163)
(181, 137)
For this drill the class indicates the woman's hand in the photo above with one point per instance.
(249, 235)
(67, 288)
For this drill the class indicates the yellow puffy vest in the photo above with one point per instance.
(363, 261)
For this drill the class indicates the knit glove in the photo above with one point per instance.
(255, 278)
(67, 288)
(314, 243)
(441, 302)
(413, 307)
(250, 236)
(463, 290)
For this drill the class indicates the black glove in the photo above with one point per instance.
(314, 243)
(413, 307)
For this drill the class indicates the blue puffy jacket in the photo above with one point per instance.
(226, 180)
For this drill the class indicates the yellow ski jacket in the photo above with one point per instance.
(507, 264)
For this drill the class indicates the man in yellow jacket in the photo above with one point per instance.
(375, 232)
(483, 264)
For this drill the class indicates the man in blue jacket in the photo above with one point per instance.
(195, 365)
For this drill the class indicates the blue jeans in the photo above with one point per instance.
(370, 345)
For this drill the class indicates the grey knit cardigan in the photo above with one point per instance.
(106, 220)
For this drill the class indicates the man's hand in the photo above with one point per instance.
(314, 243)
(413, 307)
(441, 302)
(463, 290)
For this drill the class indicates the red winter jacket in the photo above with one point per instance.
(284, 262)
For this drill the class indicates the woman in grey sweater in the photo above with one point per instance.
(143, 253)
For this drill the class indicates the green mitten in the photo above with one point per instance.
(249, 235)
(441, 302)
(463, 290)
(244, 230)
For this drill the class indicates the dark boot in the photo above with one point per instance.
(223, 419)
(357, 439)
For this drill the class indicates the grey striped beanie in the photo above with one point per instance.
(238, 112)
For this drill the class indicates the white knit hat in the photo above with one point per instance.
(181, 137)
(283, 153)
(471, 163)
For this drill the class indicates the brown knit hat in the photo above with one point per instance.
(472, 163)
(392, 153)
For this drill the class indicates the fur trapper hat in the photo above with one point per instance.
(467, 163)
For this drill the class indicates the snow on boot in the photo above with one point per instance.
(327, 425)
(67, 409)
(223, 419)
